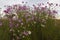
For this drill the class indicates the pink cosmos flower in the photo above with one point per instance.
(25, 33)
(5, 11)
(17, 25)
(54, 11)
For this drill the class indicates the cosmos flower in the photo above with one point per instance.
(29, 32)
(42, 25)
(27, 17)
(54, 11)
(11, 24)
(17, 25)
(5, 11)
(24, 8)
(26, 33)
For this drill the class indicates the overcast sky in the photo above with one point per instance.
(30, 2)
(57, 8)
(10, 2)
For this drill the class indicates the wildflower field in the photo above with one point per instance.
(22, 22)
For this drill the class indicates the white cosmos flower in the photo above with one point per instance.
(29, 32)
(42, 25)
(21, 23)
(15, 18)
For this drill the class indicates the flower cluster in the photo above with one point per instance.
(25, 18)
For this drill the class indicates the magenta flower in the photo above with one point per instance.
(25, 33)
(43, 8)
(5, 11)
(8, 9)
(20, 20)
(10, 24)
(20, 7)
(16, 25)
(24, 7)
(54, 11)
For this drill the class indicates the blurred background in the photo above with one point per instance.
(30, 20)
